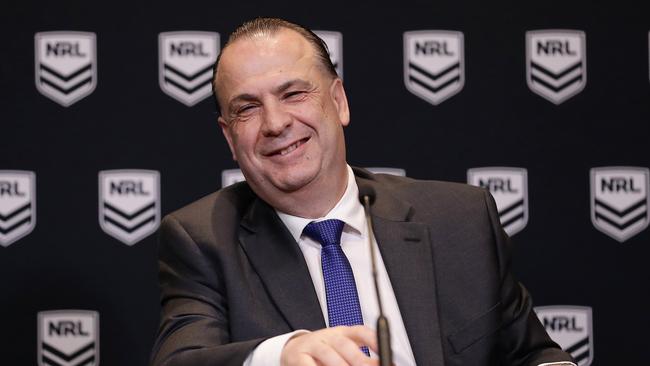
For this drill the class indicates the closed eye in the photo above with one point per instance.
(246, 108)
(295, 95)
(245, 112)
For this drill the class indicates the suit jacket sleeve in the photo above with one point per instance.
(522, 337)
(194, 327)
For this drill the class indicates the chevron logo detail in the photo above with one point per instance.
(571, 328)
(185, 64)
(556, 63)
(620, 200)
(509, 187)
(334, 42)
(68, 338)
(17, 205)
(129, 204)
(434, 65)
(66, 65)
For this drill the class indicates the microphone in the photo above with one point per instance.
(367, 196)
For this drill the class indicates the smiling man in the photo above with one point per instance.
(276, 271)
(283, 113)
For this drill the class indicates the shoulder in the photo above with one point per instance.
(418, 192)
(223, 208)
(446, 205)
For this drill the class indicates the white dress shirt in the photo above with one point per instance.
(354, 242)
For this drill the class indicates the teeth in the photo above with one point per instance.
(289, 149)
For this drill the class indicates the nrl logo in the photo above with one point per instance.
(185, 64)
(620, 201)
(391, 171)
(68, 337)
(129, 204)
(66, 65)
(17, 205)
(434, 65)
(334, 42)
(231, 176)
(556, 63)
(571, 328)
(509, 187)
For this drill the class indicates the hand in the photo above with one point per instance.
(330, 347)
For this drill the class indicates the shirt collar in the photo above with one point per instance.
(348, 209)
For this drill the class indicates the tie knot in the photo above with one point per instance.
(327, 232)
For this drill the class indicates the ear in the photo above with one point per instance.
(340, 101)
(228, 135)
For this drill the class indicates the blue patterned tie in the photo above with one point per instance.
(340, 289)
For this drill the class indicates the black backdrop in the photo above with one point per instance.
(67, 262)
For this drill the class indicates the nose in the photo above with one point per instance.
(276, 119)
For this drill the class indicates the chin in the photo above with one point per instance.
(293, 181)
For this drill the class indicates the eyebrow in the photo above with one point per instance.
(277, 90)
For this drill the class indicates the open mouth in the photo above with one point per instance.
(290, 148)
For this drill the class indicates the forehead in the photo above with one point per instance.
(252, 60)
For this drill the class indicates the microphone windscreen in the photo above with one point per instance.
(365, 190)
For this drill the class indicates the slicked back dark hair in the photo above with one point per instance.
(270, 26)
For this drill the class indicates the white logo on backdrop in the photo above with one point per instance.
(392, 171)
(66, 65)
(129, 203)
(185, 64)
(509, 187)
(17, 205)
(434, 64)
(556, 63)
(68, 337)
(620, 200)
(571, 328)
(334, 42)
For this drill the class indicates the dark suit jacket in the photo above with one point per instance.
(232, 275)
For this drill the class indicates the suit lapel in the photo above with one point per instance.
(407, 253)
(278, 261)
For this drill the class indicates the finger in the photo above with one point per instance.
(348, 349)
(306, 360)
(363, 336)
(323, 353)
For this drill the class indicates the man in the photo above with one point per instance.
(240, 269)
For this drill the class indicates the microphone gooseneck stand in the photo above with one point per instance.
(383, 332)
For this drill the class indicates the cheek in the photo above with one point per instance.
(313, 113)
(244, 139)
